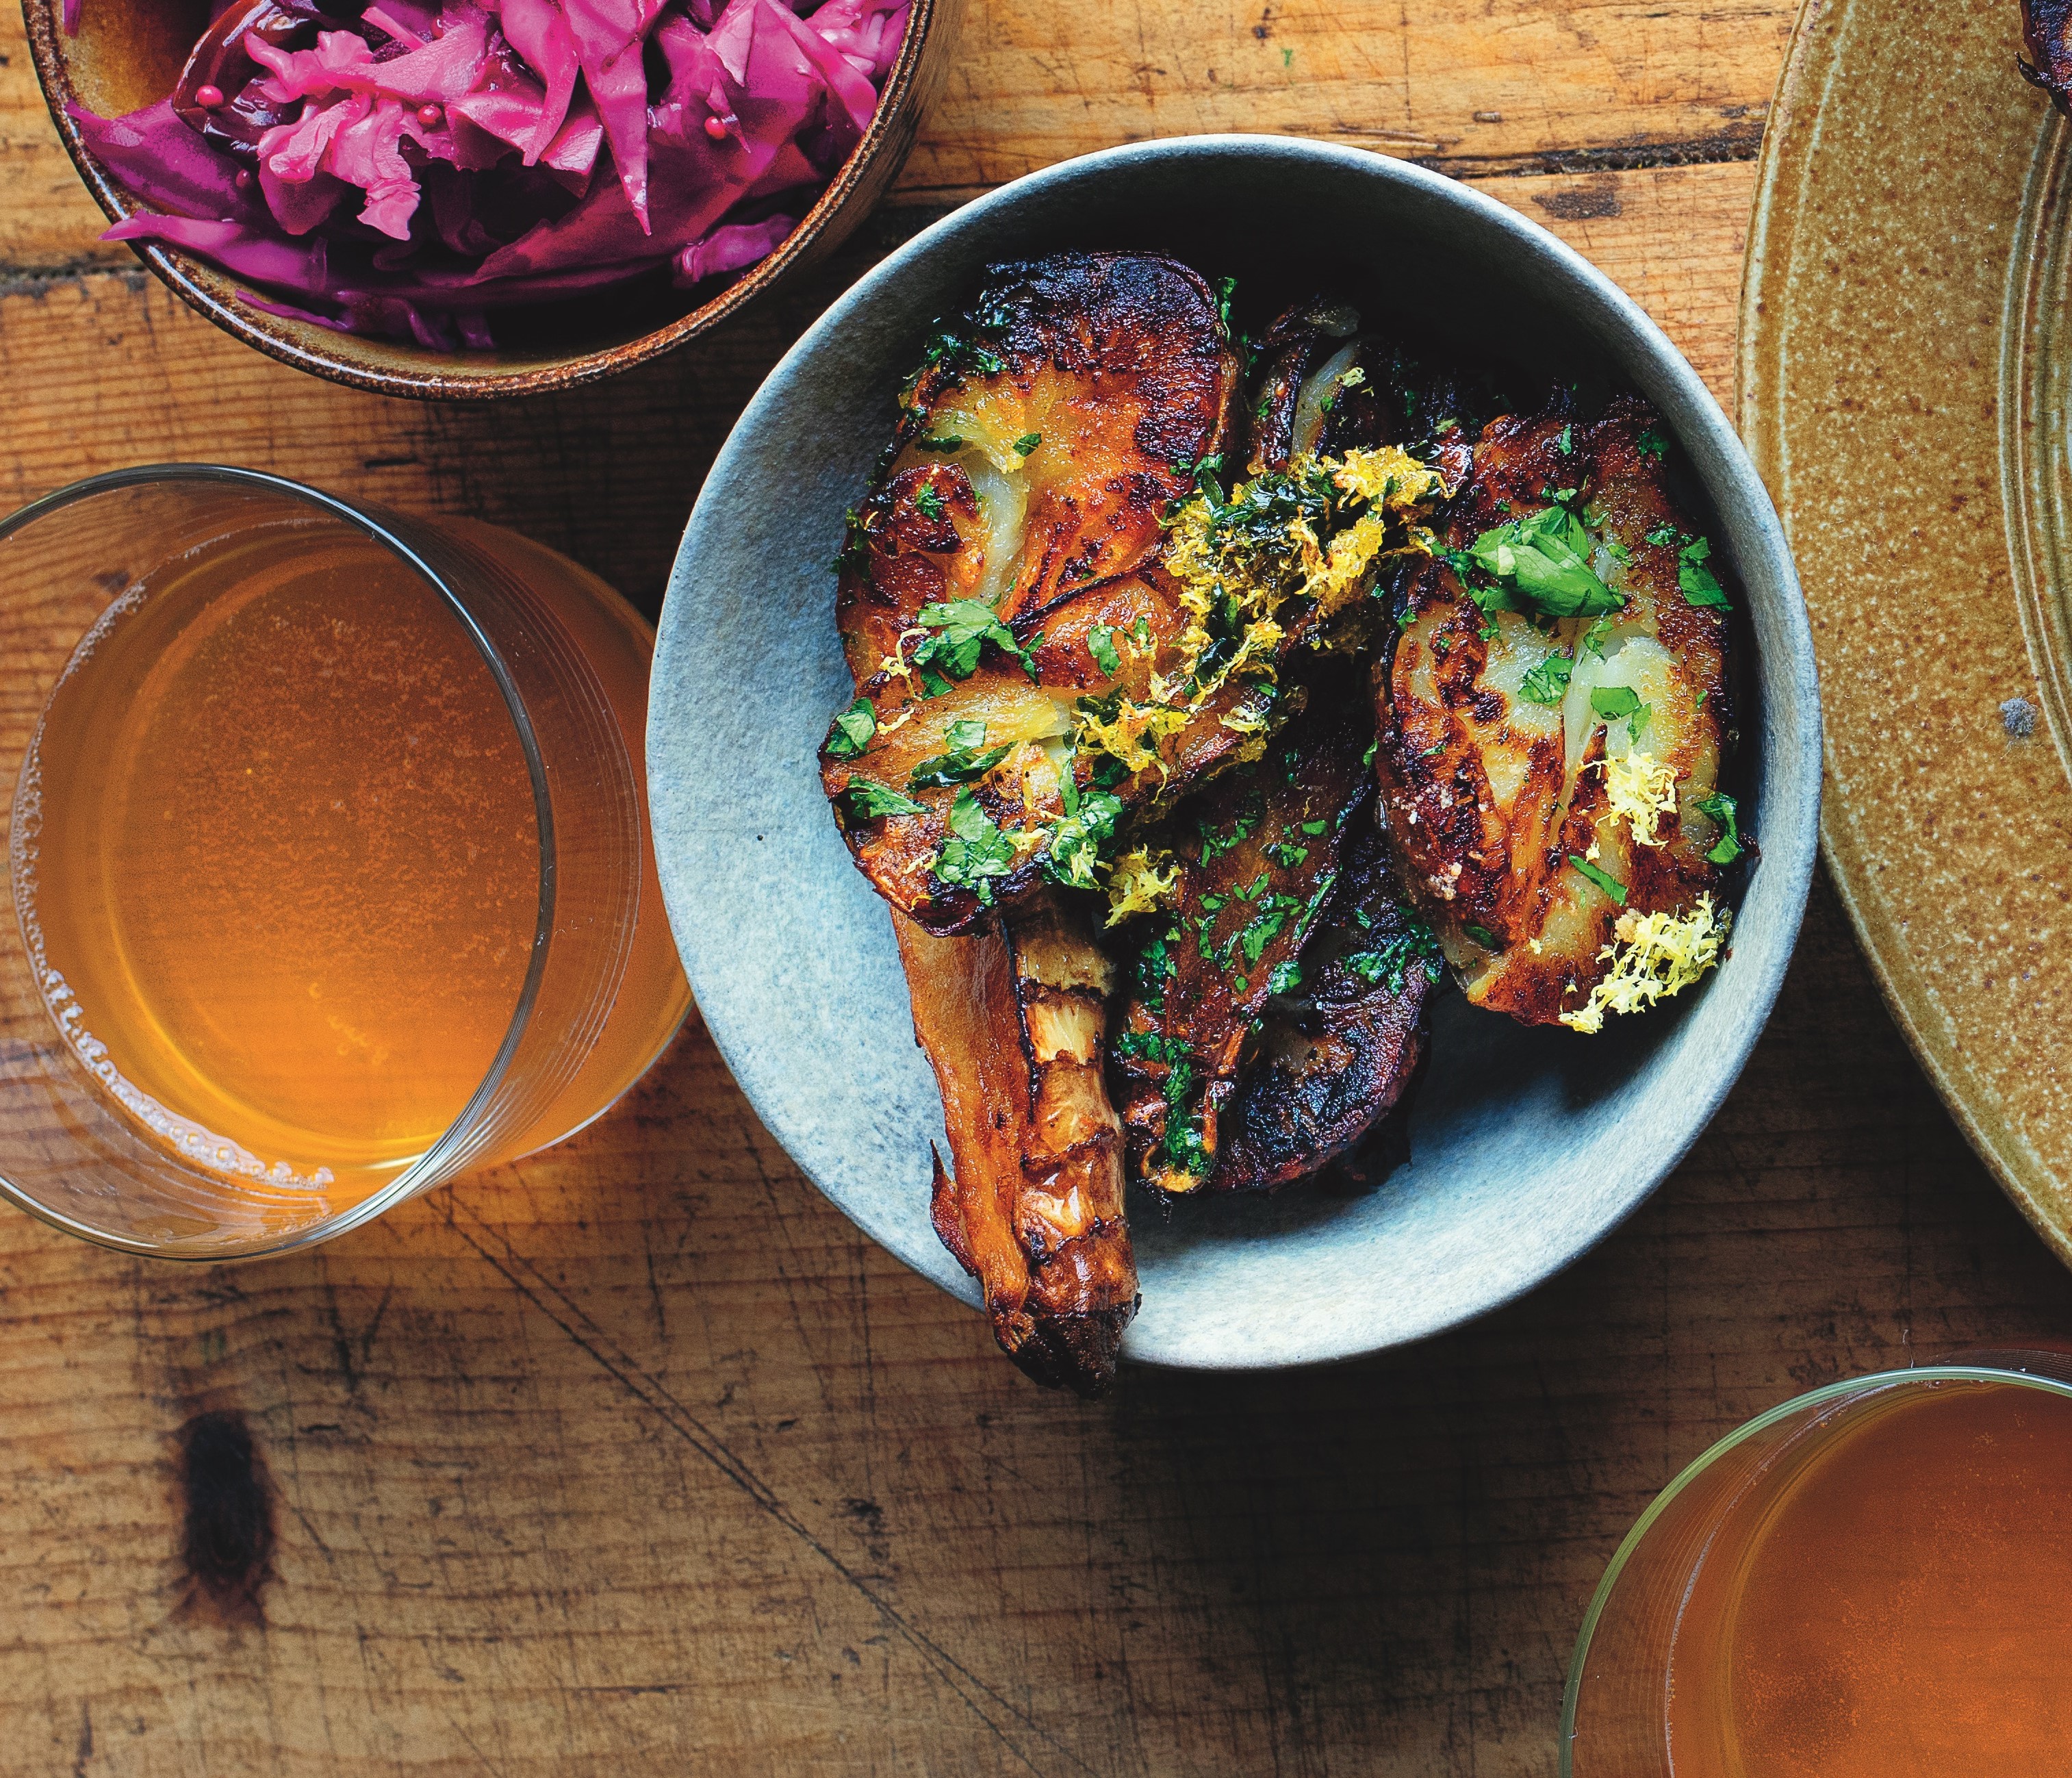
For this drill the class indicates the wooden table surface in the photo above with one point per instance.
(637, 1457)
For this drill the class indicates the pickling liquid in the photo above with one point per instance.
(278, 866)
(1902, 1609)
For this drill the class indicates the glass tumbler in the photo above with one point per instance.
(1871, 1577)
(329, 850)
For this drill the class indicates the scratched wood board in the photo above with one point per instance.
(637, 1457)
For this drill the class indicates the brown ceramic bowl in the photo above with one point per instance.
(128, 56)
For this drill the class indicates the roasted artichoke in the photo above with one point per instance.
(1425, 681)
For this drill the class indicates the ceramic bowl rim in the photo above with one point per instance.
(1790, 830)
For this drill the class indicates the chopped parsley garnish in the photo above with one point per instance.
(945, 446)
(1699, 587)
(1101, 644)
(1593, 639)
(963, 627)
(855, 552)
(1266, 925)
(1154, 967)
(959, 354)
(1109, 771)
(1617, 703)
(1610, 885)
(1076, 840)
(977, 851)
(1548, 683)
(1545, 558)
(1565, 443)
(1150, 1046)
(1215, 845)
(1611, 703)
(1483, 937)
(1313, 829)
(1287, 977)
(852, 730)
(933, 684)
(1653, 445)
(868, 798)
(1721, 808)
(927, 502)
(1664, 535)
(969, 758)
(1388, 963)
(1027, 442)
(1287, 854)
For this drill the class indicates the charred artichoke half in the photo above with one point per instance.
(1552, 719)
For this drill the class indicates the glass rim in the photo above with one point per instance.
(1871, 1383)
(414, 1178)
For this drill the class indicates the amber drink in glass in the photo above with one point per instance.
(329, 855)
(1871, 1581)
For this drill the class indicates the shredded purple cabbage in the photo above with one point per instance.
(403, 167)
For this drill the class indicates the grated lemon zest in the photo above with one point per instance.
(1132, 734)
(1140, 882)
(1654, 957)
(1331, 576)
(1388, 476)
(1643, 789)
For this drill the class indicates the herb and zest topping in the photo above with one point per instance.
(1139, 882)
(1285, 549)
(1653, 956)
(1543, 561)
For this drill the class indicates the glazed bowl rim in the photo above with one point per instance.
(1757, 548)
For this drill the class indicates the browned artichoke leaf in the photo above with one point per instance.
(1253, 858)
(1342, 1049)
(1327, 388)
(1012, 1017)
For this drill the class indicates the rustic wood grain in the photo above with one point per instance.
(107, 368)
(1471, 86)
(638, 1458)
(1467, 85)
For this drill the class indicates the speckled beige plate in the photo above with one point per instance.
(1905, 353)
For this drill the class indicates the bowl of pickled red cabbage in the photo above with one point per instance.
(477, 198)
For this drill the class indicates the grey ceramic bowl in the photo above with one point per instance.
(1527, 1146)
